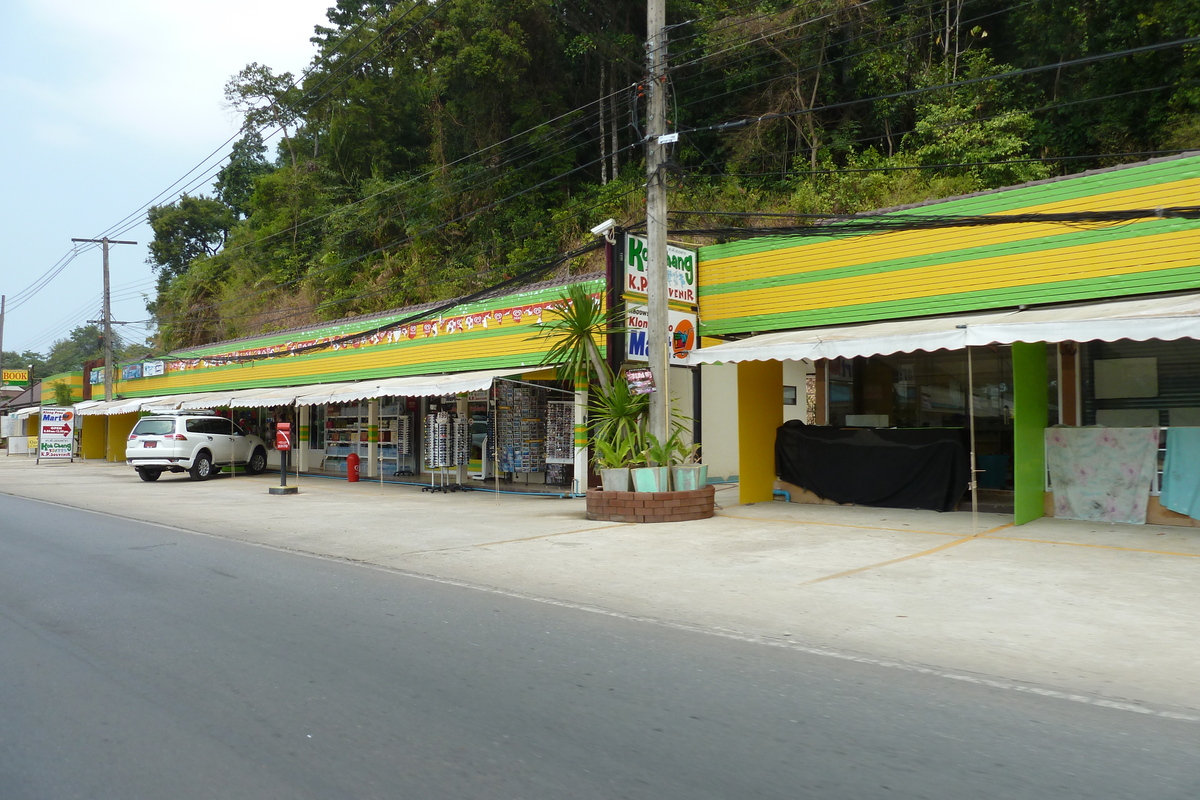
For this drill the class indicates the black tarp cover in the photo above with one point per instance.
(892, 468)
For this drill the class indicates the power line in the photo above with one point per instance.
(724, 126)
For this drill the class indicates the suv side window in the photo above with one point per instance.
(210, 425)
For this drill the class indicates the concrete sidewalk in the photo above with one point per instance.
(1057, 606)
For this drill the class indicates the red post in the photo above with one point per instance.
(352, 461)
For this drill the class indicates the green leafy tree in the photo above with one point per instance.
(83, 343)
(188, 229)
(235, 182)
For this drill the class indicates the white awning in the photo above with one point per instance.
(29, 411)
(1168, 318)
(110, 407)
(1165, 317)
(409, 386)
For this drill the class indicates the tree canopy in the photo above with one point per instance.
(435, 148)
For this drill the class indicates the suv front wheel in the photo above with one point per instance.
(258, 462)
(202, 467)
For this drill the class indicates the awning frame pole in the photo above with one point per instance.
(974, 482)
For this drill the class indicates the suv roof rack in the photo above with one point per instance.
(182, 412)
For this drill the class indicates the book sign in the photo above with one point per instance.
(56, 433)
(640, 381)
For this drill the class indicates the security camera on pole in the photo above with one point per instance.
(658, 333)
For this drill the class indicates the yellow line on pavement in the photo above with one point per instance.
(930, 551)
(1099, 546)
(839, 525)
(548, 535)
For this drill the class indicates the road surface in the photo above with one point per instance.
(144, 662)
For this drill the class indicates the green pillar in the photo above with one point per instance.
(1030, 410)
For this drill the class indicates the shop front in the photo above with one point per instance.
(443, 402)
(1040, 361)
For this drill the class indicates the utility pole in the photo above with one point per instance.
(107, 314)
(658, 334)
(2, 299)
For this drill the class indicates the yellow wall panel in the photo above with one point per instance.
(1130, 256)
(810, 256)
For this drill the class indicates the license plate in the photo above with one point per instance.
(149, 444)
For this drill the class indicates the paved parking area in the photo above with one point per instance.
(1068, 608)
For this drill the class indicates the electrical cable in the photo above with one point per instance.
(951, 85)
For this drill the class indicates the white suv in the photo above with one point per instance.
(195, 442)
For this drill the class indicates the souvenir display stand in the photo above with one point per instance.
(446, 445)
(560, 442)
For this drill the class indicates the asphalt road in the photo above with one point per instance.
(143, 662)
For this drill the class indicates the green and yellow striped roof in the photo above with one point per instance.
(778, 283)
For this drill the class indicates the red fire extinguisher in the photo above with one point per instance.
(352, 467)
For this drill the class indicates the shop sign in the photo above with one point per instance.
(15, 377)
(56, 433)
(681, 324)
(640, 381)
(681, 270)
(527, 314)
(96, 376)
(152, 369)
(131, 372)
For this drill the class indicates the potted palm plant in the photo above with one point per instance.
(686, 474)
(612, 461)
(656, 475)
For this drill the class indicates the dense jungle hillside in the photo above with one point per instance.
(435, 149)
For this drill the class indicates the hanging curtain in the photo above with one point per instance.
(1181, 472)
(1102, 474)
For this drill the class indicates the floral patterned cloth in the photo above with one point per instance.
(1102, 474)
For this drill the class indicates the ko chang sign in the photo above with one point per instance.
(681, 270)
(682, 326)
(56, 433)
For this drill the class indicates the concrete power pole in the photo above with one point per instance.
(3, 298)
(658, 334)
(107, 314)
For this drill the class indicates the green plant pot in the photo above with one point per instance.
(689, 477)
(615, 480)
(651, 479)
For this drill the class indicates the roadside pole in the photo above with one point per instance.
(658, 332)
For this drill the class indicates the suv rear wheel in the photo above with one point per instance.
(148, 474)
(202, 466)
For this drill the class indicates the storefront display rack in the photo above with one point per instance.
(347, 431)
(521, 427)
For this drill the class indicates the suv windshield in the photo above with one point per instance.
(153, 427)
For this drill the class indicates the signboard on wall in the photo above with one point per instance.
(131, 371)
(681, 270)
(56, 433)
(96, 376)
(15, 377)
(682, 326)
(151, 369)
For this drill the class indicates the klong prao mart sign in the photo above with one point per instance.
(681, 328)
(56, 434)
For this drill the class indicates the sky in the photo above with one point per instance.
(106, 104)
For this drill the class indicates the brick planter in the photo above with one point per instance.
(650, 506)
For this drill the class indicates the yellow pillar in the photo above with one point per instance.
(760, 413)
(119, 427)
(94, 441)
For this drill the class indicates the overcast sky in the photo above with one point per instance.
(106, 104)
